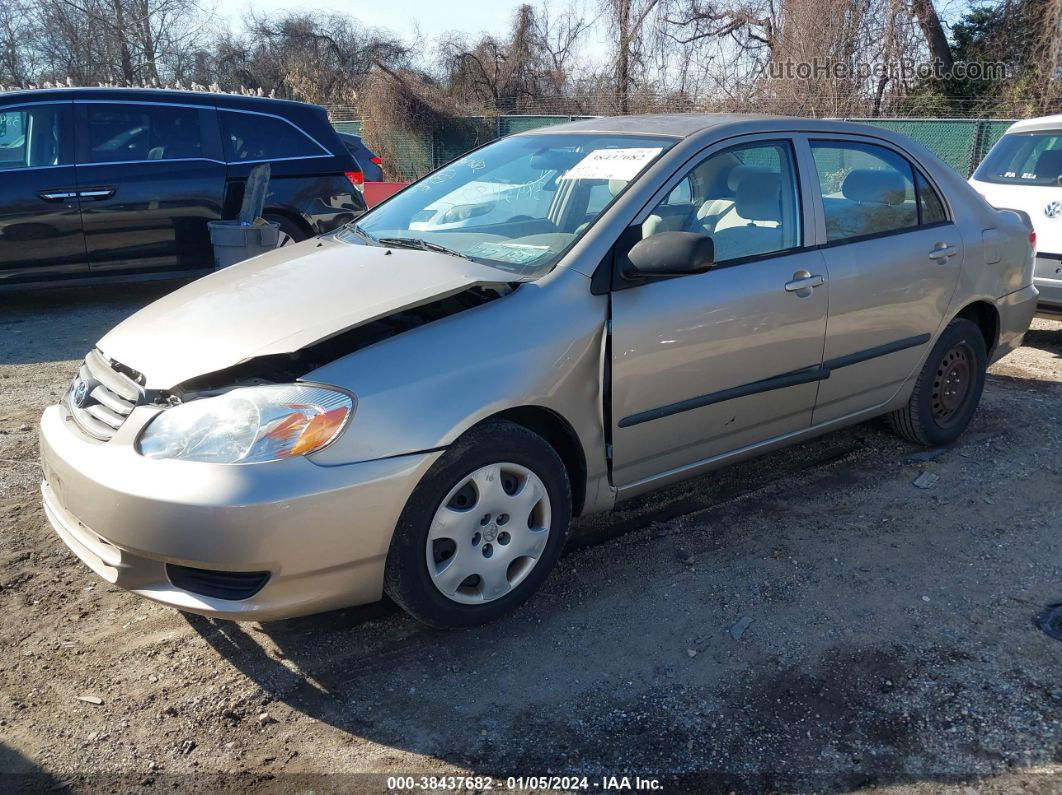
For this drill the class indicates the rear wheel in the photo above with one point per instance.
(290, 231)
(948, 389)
(482, 529)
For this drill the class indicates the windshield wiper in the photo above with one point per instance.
(423, 245)
(362, 233)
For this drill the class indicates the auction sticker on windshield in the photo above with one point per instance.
(612, 163)
(516, 253)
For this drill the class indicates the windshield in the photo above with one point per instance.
(1024, 159)
(517, 204)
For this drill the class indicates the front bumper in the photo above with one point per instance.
(1047, 276)
(321, 532)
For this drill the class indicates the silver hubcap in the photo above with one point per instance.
(284, 239)
(488, 533)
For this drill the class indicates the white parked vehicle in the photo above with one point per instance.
(1023, 171)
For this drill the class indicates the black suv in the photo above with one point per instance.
(113, 183)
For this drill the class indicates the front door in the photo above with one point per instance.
(710, 363)
(40, 218)
(894, 258)
(150, 177)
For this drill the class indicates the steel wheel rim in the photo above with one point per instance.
(488, 533)
(952, 383)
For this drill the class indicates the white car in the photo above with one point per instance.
(1023, 171)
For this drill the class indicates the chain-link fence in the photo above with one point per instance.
(961, 143)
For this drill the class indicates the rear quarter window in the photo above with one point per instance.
(249, 137)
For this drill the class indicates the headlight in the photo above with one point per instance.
(249, 425)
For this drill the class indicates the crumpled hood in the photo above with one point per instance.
(280, 302)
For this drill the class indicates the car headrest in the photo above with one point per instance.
(1049, 164)
(739, 172)
(616, 185)
(758, 197)
(875, 185)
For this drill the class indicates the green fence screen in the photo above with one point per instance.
(961, 143)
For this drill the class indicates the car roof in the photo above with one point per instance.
(174, 95)
(685, 125)
(1041, 123)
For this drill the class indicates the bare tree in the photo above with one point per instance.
(303, 55)
(493, 71)
(556, 41)
(16, 60)
(124, 42)
(629, 22)
(1048, 53)
(934, 32)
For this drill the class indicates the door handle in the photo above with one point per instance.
(803, 282)
(96, 194)
(942, 252)
(57, 195)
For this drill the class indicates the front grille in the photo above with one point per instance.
(100, 398)
(232, 585)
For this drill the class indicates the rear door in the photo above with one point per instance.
(150, 177)
(40, 218)
(894, 257)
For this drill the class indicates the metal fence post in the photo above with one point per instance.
(975, 146)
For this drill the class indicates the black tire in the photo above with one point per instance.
(290, 231)
(406, 577)
(939, 411)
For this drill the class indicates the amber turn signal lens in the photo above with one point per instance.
(320, 430)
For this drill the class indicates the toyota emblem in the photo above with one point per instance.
(80, 394)
(1053, 209)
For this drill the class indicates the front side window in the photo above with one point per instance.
(1024, 159)
(518, 203)
(252, 137)
(744, 198)
(34, 137)
(122, 133)
(866, 189)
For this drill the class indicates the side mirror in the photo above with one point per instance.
(671, 254)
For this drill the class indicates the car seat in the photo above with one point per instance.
(754, 224)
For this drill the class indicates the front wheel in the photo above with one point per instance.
(948, 389)
(482, 530)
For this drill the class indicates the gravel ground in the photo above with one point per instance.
(808, 621)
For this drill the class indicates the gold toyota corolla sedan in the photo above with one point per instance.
(419, 404)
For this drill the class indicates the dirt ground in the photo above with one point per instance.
(889, 638)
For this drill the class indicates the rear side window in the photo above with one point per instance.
(254, 136)
(32, 137)
(1024, 159)
(123, 133)
(866, 189)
